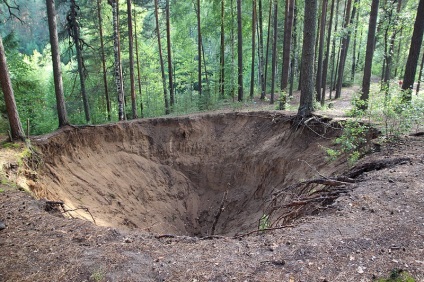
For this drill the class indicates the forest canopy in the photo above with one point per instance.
(123, 59)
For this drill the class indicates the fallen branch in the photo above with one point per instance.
(84, 209)
(305, 201)
(51, 205)
(262, 230)
(165, 236)
(376, 165)
(221, 208)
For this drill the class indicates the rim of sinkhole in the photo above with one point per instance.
(198, 175)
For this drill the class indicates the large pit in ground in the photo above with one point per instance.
(193, 175)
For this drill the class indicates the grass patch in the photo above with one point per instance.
(10, 145)
(397, 275)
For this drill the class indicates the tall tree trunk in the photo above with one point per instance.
(222, 54)
(366, 81)
(232, 51)
(261, 51)
(274, 51)
(355, 35)
(293, 50)
(358, 56)
(333, 50)
(398, 52)
(16, 130)
(318, 82)
(414, 53)
(168, 42)
(420, 73)
(205, 68)
(199, 50)
(74, 31)
(131, 51)
(57, 72)
(138, 63)
(345, 46)
(103, 57)
(117, 57)
(252, 74)
(239, 53)
(388, 8)
(327, 53)
(267, 47)
(389, 56)
(306, 106)
(288, 25)
(162, 67)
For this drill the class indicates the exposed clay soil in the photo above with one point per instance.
(173, 199)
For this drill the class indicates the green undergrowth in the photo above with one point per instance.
(397, 275)
(386, 112)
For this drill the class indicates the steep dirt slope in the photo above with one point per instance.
(194, 175)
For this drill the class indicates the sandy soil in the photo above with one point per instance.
(159, 189)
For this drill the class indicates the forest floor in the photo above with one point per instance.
(181, 199)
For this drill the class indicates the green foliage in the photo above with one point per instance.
(10, 145)
(397, 275)
(352, 141)
(332, 154)
(392, 115)
(30, 63)
(97, 276)
(264, 222)
(282, 101)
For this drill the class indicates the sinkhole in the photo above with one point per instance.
(209, 174)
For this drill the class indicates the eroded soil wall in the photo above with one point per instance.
(186, 175)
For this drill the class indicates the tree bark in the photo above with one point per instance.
(318, 82)
(162, 67)
(131, 51)
(267, 48)
(261, 51)
(420, 74)
(168, 42)
(199, 50)
(414, 53)
(239, 53)
(327, 53)
(103, 57)
(366, 81)
(252, 74)
(294, 54)
(345, 46)
(16, 130)
(117, 58)
(138, 63)
(288, 25)
(75, 34)
(355, 36)
(333, 50)
(222, 54)
(398, 52)
(57, 72)
(274, 51)
(306, 106)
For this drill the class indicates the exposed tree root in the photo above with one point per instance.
(221, 208)
(54, 206)
(376, 165)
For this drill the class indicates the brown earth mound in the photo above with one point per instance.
(200, 175)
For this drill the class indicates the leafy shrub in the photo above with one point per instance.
(392, 115)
